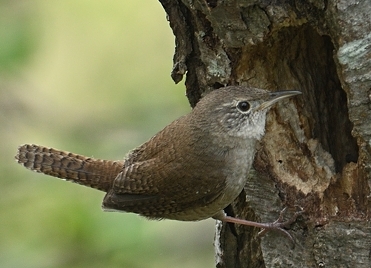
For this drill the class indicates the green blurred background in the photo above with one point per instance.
(90, 77)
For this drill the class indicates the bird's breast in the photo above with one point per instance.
(239, 164)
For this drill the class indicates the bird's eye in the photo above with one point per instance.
(243, 106)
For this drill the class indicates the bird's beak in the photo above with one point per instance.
(277, 96)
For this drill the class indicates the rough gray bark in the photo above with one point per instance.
(316, 152)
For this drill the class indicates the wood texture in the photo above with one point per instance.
(316, 153)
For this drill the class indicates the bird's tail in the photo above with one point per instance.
(94, 173)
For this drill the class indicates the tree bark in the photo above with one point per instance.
(316, 151)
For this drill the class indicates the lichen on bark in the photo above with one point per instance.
(316, 153)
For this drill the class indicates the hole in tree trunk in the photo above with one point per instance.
(325, 100)
(300, 58)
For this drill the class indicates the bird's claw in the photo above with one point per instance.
(279, 224)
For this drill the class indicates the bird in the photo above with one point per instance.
(189, 171)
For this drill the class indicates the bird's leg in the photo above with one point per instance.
(277, 225)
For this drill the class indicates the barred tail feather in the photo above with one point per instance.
(94, 173)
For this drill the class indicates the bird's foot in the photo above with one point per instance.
(277, 225)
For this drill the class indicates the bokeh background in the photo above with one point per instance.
(90, 77)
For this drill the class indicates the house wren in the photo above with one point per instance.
(189, 171)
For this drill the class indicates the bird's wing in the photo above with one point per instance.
(170, 173)
(162, 185)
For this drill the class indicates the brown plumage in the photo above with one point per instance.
(94, 173)
(190, 170)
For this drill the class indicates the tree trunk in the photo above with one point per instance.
(316, 151)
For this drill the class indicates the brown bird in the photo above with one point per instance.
(189, 171)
